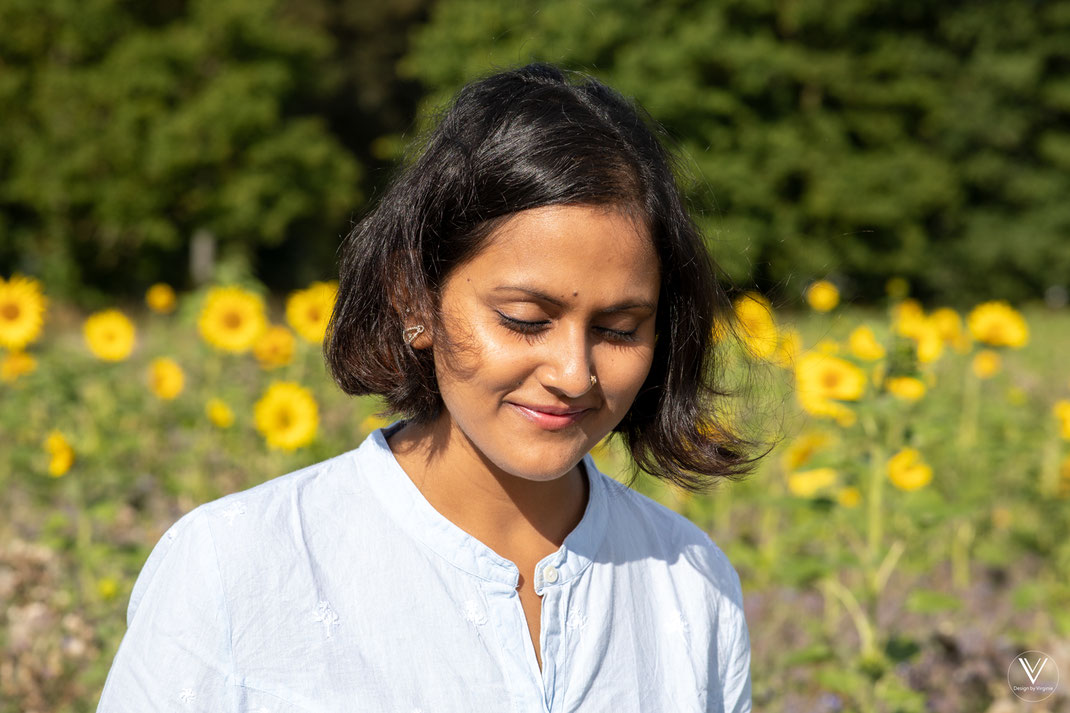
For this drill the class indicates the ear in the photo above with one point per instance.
(423, 339)
(401, 299)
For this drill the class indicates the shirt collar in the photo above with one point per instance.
(405, 503)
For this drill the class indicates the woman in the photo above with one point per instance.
(528, 285)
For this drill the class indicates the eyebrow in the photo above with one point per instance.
(618, 307)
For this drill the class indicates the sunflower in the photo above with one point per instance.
(986, 363)
(827, 408)
(166, 378)
(219, 413)
(161, 298)
(15, 364)
(998, 324)
(807, 483)
(61, 455)
(22, 311)
(758, 330)
(906, 388)
(822, 296)
(949, 324)
(275, 347)
(908, 471)
(309, 310)
(928, 341)
(231, 319)
(802, 449)
(907, 317)
(864, 345)
(110, 335)
(849, 497)
(829, 377)
(1061, 410)
(286, 415)
(823, 380)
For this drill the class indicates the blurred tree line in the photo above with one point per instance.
(860, 140)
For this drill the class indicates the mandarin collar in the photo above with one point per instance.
(405, 504)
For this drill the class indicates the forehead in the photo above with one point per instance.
(569, 247)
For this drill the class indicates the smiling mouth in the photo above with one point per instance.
(550, 421)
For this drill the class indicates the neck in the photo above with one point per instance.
(507, 513)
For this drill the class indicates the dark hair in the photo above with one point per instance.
(512, 141)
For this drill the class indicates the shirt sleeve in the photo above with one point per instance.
(175, 654)
(734, 643)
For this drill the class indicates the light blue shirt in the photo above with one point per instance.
(339, 588)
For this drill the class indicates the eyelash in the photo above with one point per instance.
(532, 331)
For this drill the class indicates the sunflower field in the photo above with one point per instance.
(905, 536)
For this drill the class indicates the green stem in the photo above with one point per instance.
(876, 492)
(887, 566)
(866, 635)
(971, 409)
(960, 555)
(769, 543)
(1049, 465)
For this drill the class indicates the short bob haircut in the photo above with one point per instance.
(513, 141)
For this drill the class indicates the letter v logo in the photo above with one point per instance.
(1032, 671)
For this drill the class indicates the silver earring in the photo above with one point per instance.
(412, 333)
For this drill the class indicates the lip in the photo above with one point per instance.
(553, 418)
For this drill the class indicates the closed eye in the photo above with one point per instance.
(533, 331)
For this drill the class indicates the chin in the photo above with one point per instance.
(538, 468)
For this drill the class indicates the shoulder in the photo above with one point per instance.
(316, 484)
(637, 521)
(205, 540)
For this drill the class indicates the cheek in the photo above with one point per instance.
(484, 356)
(623, 374)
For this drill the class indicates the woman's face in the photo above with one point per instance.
(559, 294)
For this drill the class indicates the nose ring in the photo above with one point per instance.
(594, 379)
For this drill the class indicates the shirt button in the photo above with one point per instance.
(549, 573)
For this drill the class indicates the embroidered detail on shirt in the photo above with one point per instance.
(186, 695)
(232, 511)
(326, 615)
(676, 622)
(474, 613)
(576, 620)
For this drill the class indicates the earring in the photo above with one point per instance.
(412, 333)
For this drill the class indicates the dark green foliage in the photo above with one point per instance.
(127, 128)
(860, 139)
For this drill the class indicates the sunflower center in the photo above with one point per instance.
(10, 311)
(232, 320)
(313, 314)
(283, 419)
(830, 379)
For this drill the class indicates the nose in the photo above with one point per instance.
(567, 367)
